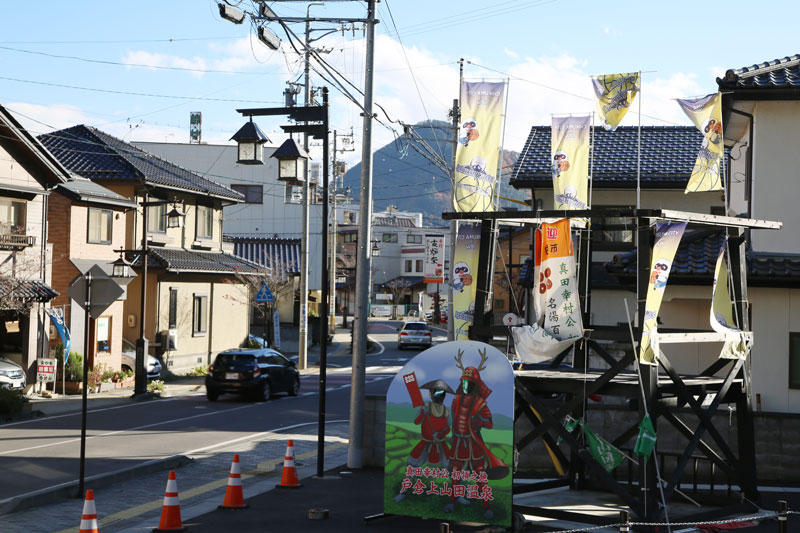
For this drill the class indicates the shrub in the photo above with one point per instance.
(155, 386)
(11, 402)
(198, 371)
(95, 377)
(75, 367)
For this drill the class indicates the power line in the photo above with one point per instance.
(127, 41)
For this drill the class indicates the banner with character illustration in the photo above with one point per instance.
(478, 149)
(450, 435)
(737, 342)
(706, 113)
(569, 153)
(615, 94)
(668, 238)
(465, 263)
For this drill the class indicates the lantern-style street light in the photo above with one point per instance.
(250, 140)
(121, 268)
(175, 218)
(291, 162)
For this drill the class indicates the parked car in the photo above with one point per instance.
(414, 334)
(258, 373)
(152, 365)
(442, 313)
(11, 375)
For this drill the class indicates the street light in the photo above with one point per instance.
(250, 141)
(268, 38)
(291, 162)
(121, 268)
(376, 250)
(230, 13)
(175, 218)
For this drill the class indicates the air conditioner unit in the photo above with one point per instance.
(172, 339)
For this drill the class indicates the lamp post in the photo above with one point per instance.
(292, 163)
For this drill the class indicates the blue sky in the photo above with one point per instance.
(548, 48)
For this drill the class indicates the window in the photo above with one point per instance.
(616, 234)
(204, 228)
(351, 237)
(389, 237)
(349, 217)
(12, 217)
(794, 360)
(173, 308)
(413, 239)
(157, 218)
(408, 265)
(200, 315)
(292, 194)
(100, 224)
(104, 334)
(419, 265)
(253, 194)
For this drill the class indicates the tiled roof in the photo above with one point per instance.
(25, 291)
(403, 282)
(94, 154)
(697, 257)
(280, 255)
(668, 155)
(783, 73)
(399, 222)
(82, 189)
(178, 260)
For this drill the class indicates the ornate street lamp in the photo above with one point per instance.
(175, 218)
(121, 268)
(250, 140)
(376, 250)
(291, 162)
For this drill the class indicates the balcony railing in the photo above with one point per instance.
(12, 241)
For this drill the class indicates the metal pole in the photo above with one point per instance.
(84, 396)
(451, 332)
(355, 451)
(624, 518)
(323, 319)
(334, 229)
(783, 517)
(140, 381)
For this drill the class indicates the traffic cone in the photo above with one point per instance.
(89, 515)
(234, 499)
(289, 476)
(171, 511)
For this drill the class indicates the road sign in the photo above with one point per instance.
(264, 294)
(45, 370)
(105, 291)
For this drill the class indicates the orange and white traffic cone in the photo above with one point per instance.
(234, 498)
(171, 511)
(89, 515)
(289, 476)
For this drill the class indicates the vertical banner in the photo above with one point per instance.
(737, 342)
(569, 147)
(478, 146)
(433, 267)
(706, 113)
(668, 237)
(450, 435)
(465, 262)
(615, 94)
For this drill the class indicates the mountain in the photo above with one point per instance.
(405, 178)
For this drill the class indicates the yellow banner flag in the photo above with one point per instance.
(478, 148)
(737, 342)
(615, 94)
(706, 113)
(569, 147)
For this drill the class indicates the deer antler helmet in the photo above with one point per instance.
(472, 374)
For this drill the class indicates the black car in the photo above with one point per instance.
(256, 373)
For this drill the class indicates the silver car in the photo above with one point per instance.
(11, 375)
(414, 334)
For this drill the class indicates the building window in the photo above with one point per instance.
(350, 237)
(794, 360)
(200, 315)
(413, 239)
(103, 334)
(389, 237)
(157, 218)
(419, 265)
(12, 217)
(205, 222)
(173, 308)
(408, 265)
(349, 217)
(292, 194)
(253, 194)
(100, 224)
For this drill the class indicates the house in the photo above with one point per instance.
(87, 225)
(197, 296)
(28, 173)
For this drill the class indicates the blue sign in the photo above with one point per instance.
(264, 294)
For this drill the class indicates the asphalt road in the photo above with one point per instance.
(42, 453)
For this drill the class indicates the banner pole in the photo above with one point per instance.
(639, 149)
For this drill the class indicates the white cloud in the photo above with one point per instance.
(38, 119)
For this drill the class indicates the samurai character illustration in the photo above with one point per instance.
(660, 274)
(434, 419)
(560, 163)
(461, 276)
(468, 131)
(470, 414)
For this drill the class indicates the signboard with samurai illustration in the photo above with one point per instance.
(450, 435)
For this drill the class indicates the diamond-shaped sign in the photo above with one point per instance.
(264, 294)
(104, 291)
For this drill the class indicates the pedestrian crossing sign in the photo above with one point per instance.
(264, 294)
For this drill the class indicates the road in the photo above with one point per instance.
(42, 453)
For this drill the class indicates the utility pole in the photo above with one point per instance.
(334, 223)
(456, 116)
(355, 452)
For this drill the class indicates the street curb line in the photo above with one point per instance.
(69, 489)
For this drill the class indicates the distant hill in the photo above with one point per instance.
(403, 177)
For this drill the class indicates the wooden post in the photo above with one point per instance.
(624, 519)
(783, 516)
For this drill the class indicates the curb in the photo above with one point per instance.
(69, 489)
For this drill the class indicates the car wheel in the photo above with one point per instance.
(295, 390)
(212, 395)
(266, 391)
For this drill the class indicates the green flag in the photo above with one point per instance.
(569, 424)
(646, 441)
(603, 451)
